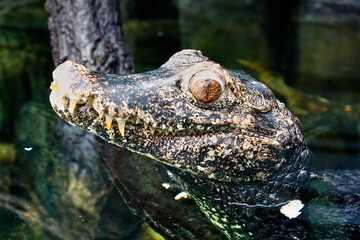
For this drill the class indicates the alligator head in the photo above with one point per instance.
(220, 130)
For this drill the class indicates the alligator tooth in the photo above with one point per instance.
(108, 120)
(160, 131)
(133, 120)
(72, 106)
(167, 133)
(61, 104)
(146, 126)
(121, 125)
(152, 130)
(173, 133)
(182, 195)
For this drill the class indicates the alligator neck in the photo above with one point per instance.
(257, 210)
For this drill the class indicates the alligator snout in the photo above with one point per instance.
(67, 78)
(75, 86)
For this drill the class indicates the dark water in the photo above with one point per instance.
(308, 54)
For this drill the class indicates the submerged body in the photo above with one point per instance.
(237, 150)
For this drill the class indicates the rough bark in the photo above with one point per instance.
(90, 33)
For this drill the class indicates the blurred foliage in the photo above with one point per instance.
(161, 35)
(23, 14)
(25, 71)
(9, 223)
(7, 153)
(25, 59)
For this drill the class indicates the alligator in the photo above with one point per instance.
(228, 143)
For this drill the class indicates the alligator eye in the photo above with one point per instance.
(207, 86)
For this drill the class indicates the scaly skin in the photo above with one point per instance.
(241, 155)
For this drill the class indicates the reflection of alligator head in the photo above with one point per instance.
(239, 152)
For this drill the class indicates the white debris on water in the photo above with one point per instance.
(292, 209)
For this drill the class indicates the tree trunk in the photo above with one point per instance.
(89, 33)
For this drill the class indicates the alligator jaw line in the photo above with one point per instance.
(67, 101)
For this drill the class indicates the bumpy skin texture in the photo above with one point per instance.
(242, 157)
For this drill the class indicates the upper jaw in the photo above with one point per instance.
(118, 100)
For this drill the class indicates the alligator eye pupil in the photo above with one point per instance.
(206, 90)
